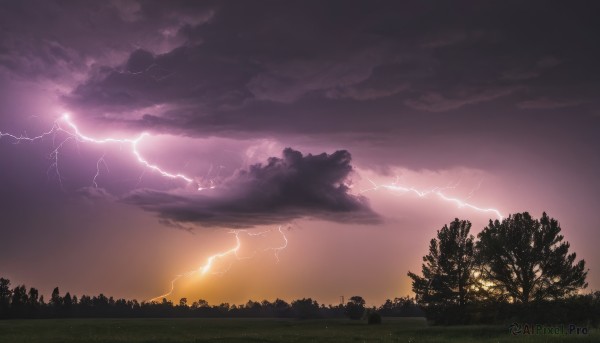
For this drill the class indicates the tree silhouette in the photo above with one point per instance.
(355, 307)
(447, 278)
(19, 301)
(576, 308)
(5, 295)
(305, 308)
(400, 307)
(281, 308)
(55, 299)
(183, 302)
(33, 301)
(202, 303)
(67, 303)
(527, 259)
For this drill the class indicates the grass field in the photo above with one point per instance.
(259, 330)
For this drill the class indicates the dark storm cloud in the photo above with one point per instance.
(187, 76)
(280, 190)
(365, 75)
(65, 40)
(242, 56)
(273, 67)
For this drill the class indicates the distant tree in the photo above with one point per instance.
(183, 302)
(67, 303)
(527, 259)
(5, 295)
(266, 303)
(55, 298)
(400, 307)
(281, 308)
(85, 304)
(355, 307)
(19, 301)
(388, 308)
(203, 303)
(67, 300)
(252, 305)
(33, 301)
(305, 308)
(447, 277)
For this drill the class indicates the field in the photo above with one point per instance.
(259, 330)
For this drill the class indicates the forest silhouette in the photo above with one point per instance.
(518, 269)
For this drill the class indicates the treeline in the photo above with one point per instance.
(18, 302)
(518, 269)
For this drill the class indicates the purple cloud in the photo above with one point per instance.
(283, 189)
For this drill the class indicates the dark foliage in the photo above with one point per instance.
(447, 278)
(355, 308)
(305, 308)
(401, 307)
(20, 303)
(526, 259)
(520, 269)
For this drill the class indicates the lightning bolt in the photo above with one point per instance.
(435, 192)
(103, 162)
(208, 265)
(73, 133)
(132, 142)
(277, 250)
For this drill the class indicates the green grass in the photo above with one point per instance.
(259, 330)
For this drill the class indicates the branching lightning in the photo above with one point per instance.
(134, 147)
(103, 162)
(435, 192)
(208, 265)
(278, 249)
(66, 126)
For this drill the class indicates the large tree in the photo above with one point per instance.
(447, 278)
(527, 260)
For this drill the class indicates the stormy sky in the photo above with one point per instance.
(292, 114)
